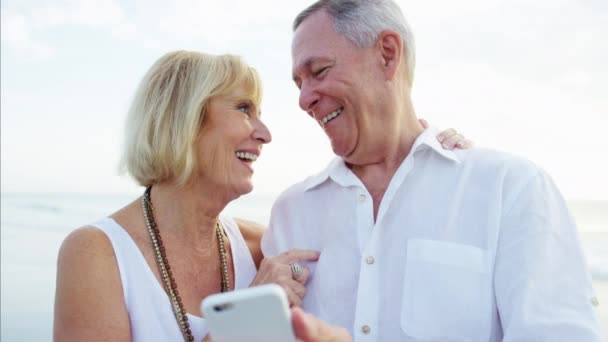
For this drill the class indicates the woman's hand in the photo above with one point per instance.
(450, 138)
(277, 270)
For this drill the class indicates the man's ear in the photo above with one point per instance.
(391, 50)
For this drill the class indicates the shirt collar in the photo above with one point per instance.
(335, 168)
(341, 174)
(428, 139)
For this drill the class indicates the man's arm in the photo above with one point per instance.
(543, 288)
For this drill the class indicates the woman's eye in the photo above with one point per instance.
(244, 108)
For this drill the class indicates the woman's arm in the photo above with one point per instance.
(450, 138)
(89, 303)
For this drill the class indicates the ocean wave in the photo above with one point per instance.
(42, 207)
(598, 267)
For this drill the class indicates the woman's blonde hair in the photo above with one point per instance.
(168, 109)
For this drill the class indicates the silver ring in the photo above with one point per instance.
(296, 269)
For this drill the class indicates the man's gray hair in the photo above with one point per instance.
(362, 21)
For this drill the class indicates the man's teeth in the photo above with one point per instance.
(332, 116)
(246, 156)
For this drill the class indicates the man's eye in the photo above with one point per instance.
(321, 71)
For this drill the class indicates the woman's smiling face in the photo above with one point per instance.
(230, 140)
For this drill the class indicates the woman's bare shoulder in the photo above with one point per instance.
(85, 241)
(92, 241)
(86, 272)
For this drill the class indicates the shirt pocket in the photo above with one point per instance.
(446, 291)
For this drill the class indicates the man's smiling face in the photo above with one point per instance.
(338, 82)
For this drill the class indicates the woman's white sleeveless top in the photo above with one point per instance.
(149, 308)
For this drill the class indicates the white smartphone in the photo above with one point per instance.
(256, 314)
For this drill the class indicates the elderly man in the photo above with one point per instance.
(419, 243)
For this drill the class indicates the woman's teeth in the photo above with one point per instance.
(246, 156)
(331, 116)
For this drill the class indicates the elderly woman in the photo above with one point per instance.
(192, 135)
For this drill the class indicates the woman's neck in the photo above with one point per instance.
(190, 212)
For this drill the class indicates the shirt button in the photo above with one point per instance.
(361, 198)
(365, 329)
(595, 301)
(370, 260)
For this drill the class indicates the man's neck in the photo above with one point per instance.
(376, 174)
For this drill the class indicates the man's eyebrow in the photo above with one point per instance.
(306, 65)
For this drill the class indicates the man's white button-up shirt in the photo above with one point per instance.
(468, 245)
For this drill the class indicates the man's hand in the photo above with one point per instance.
(308, 328)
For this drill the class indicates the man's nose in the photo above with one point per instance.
(309, 97)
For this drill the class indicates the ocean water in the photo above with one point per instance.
(34, 225)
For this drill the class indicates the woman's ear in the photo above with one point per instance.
(391, 50)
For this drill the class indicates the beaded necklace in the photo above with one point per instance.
(165, 269)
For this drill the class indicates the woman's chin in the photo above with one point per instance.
(245, 188)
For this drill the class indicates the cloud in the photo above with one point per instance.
(102, 15)
(17, 35)
(214, 25)
(526, 77)
(541, 39)
(24, 29)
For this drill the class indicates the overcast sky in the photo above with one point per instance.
(527, 77)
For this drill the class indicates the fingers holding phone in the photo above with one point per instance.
(308, 328)
(255, 314)
(242, 308)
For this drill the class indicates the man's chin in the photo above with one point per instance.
(340, 149)
(347, 156)
(340, 153)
